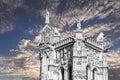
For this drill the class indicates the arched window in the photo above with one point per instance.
(46, 34)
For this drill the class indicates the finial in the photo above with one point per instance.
(79, 25)
(100, 37)
(47, 17)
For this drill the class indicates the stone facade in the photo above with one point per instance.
(74, 58)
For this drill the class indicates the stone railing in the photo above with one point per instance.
(102, 45)
(63, 42)
(103, 64)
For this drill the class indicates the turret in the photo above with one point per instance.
(47, 31)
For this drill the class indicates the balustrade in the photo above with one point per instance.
(102, 45)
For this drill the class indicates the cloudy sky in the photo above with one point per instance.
(17, 21)
(21, 21)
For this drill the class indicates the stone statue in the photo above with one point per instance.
(100, 37)
(79, 25)
(47, 17)
(56, 31)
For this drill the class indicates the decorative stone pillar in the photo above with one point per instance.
(105, 73)
(45, 66)
(89, 75)
(66, 75)
(60, 75)
(95, 75)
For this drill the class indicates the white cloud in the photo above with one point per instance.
(24, 43)
(25, 60)
(92, 31)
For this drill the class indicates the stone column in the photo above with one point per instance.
(100, 76)
(44, 73)
(43, 68)
(89, 75)
(105, 74)
(60, 75)
(66, 75)
(95, 75)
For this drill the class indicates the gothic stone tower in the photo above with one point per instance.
(74, 58)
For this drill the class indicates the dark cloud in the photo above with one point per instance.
(6, 22)
(61, 11)
(12, 4)
(114, 74)
(7, 16)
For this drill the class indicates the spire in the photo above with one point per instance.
(79, 25)
(47, 17)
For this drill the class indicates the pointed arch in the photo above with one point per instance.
(46, 34)
(88, 72)
(62, 72)
(95, 70)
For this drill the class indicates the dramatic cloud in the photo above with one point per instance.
(7, 14)
(13, 4)
(96, 16)
(23, 61)
(62, 13)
